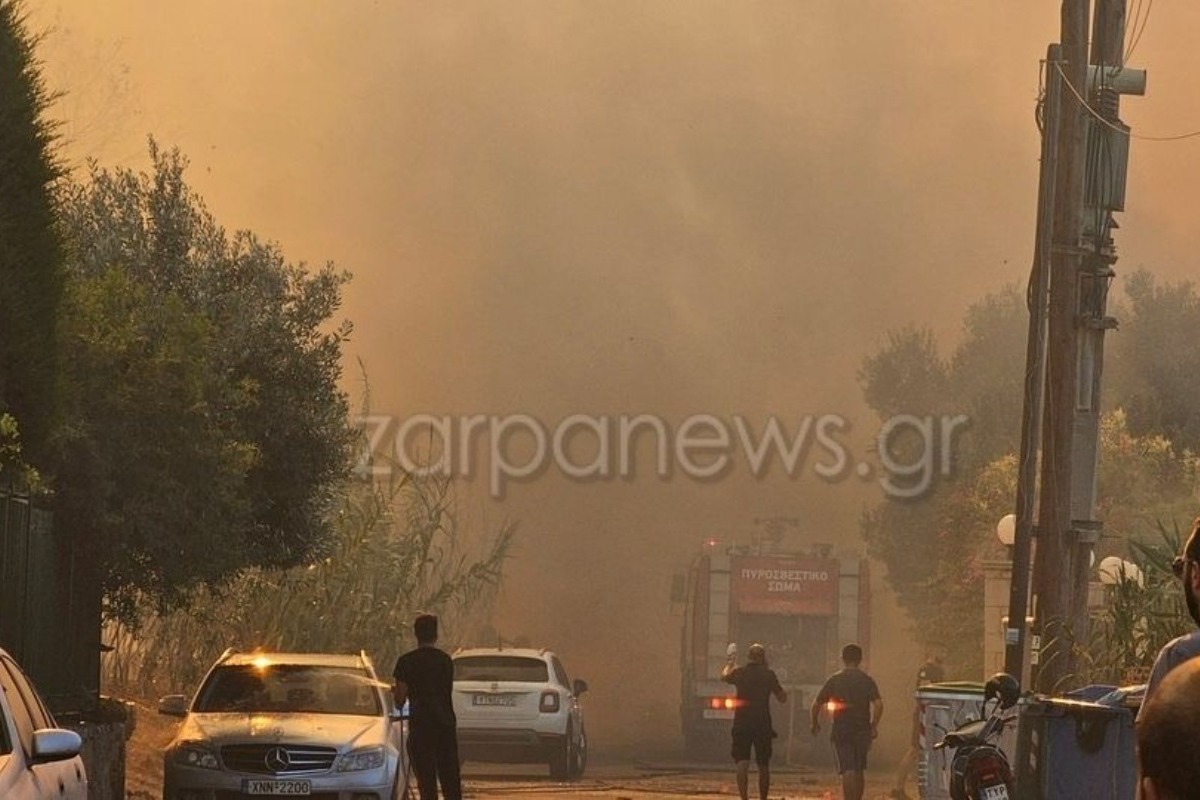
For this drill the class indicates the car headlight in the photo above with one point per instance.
(196, 754)
(358, 760)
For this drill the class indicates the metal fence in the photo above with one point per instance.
(49, 605)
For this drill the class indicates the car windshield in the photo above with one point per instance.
(501, 668)
(299, 688)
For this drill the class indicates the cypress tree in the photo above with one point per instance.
(31, 251)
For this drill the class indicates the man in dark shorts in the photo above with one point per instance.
(425, 678)
(931, 671)
(852, 700)
(752, 716)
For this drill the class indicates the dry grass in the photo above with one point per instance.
(143, 761)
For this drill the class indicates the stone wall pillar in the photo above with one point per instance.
(997, 579)
(104, 747)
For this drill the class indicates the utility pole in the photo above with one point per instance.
(1084, 187)
(1058, 545)
(1016, 634)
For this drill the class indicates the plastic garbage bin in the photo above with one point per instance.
(1071, 749)
(1092, 694)
(943, 708)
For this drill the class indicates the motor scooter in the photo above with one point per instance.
(979, 769)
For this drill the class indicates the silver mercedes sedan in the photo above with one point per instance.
(286, 724)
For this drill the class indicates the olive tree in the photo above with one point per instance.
(205, 431)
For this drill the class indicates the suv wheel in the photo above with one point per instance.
(562, 756)
(579, 757)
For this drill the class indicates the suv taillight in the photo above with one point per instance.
(549, 702)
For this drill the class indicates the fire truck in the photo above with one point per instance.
(802, 605)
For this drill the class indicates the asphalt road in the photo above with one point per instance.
(661, 780)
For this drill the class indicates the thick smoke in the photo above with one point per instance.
(608, 208)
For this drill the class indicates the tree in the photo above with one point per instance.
(149, 481)
(933, 545)
(1154, 378)
(31, 268)
(928, 543)
(906, 375)
(207, 432)
(399, 549)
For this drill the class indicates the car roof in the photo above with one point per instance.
(299, 659)
(518, 652)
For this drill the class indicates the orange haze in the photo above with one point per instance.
(625, 207)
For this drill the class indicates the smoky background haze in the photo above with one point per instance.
(625, 207)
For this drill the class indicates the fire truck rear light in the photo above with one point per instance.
(549, 703)
(723, 703)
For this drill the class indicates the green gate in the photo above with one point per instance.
(49, 605)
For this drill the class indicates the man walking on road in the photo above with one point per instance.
(852, 700)
(1177, 651)
(425, 677)
(752, 716)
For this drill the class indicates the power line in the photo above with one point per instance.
(1142, 29)
(1115, 127)
(1131, 29)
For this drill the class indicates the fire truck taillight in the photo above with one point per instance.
(723, 703)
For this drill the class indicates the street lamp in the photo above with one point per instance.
(1114, 569)
(1006, 530)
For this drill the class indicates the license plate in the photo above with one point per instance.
(277, 787)
(494, 700)
(717, 713)
(994, 793)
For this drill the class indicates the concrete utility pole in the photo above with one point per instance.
(1087, 185)
(1016, 634)
(1059, 547)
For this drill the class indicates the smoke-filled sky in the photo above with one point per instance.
(665, 208)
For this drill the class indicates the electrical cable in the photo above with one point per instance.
(1145, 19)
(1131, 21)
(1118, 128)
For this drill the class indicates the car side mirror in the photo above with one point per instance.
(579, 686)
(55, 744)
(173, 705)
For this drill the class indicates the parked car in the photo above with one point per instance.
(294, 724)
(38, 760)
(518, 706)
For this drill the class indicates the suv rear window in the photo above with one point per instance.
(501, 668)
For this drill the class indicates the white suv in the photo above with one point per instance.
(518, 706)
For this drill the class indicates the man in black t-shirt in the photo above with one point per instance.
(752, 716)
(425, 678)
(852, 700)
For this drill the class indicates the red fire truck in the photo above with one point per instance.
(803, 606)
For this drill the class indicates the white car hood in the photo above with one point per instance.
(331, 730)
